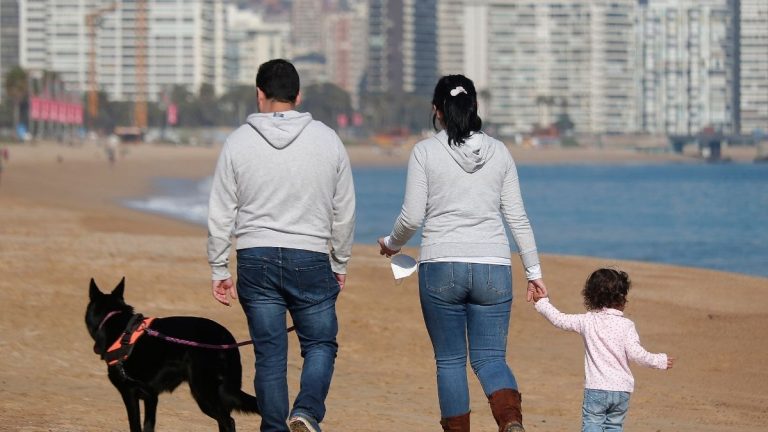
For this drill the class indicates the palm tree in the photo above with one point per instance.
(16, 87)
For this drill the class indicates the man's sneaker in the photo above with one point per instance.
(300, 423)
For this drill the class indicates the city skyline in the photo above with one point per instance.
(656, 66)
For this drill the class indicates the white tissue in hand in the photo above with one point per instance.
(403, 266)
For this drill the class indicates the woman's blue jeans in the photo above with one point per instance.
(271, 281)
(467, 305)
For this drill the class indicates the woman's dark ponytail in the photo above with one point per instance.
(456, 99)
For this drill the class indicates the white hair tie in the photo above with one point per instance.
(458, 90)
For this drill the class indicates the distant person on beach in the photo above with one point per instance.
(611, 342)
(461, 183)
(113, 143)
(283, 183)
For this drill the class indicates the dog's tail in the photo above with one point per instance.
(243, 402)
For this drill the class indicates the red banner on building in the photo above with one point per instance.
(173, 115)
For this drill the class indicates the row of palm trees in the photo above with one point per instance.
(16, 86)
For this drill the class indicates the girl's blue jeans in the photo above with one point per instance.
(604, 410)
(467, 306)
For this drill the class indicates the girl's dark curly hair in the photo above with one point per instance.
(606, 288)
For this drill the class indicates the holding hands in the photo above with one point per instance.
(386, 251)
(536, 290)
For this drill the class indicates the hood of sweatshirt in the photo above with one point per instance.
(280, 129)
(473, 154)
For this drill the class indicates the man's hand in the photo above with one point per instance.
(223, 287)
(670, 362)
(341, 279)
(385, 250)
(536, 290)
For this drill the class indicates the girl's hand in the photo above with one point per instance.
(536, 290)
(539, 294)
(385, 250)
(670, 362)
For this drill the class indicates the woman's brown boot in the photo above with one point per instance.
(506, 409)
(455, 424)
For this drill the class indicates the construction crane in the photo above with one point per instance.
(140, 107)
(92, 20)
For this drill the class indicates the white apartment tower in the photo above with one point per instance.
(185, 44)
(753, 65)
(252, 40)
(687, 66)
(307, 18)
(534, 60)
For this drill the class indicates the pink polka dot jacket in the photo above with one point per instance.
(610, 342)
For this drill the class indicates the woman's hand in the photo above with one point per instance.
(385, 250)
(536, 290)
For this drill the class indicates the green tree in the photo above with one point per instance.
(236, 104)
(206, 106)
(325, 102)
(384, 112)
(16, 88)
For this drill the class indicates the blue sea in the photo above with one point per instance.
(701, 215)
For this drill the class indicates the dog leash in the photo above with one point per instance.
(157, 334)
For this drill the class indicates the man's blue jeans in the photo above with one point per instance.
(467, 304)
(271, 281)
(604, 410)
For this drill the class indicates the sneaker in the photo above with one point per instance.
(300, 423)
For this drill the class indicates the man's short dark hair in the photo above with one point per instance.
(278, 80)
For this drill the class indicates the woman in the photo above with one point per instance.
(460, 183)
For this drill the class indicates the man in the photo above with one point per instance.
(283, 187)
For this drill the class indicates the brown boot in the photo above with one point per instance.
(455, 424)
(506, 409)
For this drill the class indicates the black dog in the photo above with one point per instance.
(154, 365)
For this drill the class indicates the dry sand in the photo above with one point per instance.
(60, 226)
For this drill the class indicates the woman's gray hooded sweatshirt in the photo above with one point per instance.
(460, 194)
(282, 180)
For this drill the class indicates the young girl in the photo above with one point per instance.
(611, 341)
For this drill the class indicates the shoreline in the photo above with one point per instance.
(60, 225)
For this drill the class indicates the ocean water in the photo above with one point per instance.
(702, 215)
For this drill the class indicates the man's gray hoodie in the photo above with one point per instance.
(282, 180)
(460, 194)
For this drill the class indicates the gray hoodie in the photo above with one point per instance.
(282, 180)
(460, 193)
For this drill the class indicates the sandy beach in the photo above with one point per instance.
(61, 224)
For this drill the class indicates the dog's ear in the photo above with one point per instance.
(119, 289)
(93, 291)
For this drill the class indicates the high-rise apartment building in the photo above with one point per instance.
(253, 39)
(346, 49)
(753, 65)
(402, 53)
(307, 18)
(687, 66)
(185, 44)
(9, 39)
(450, 36)
(532, 61)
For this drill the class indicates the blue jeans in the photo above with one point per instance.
(604, 410)
(464, 305)
(271, 281)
